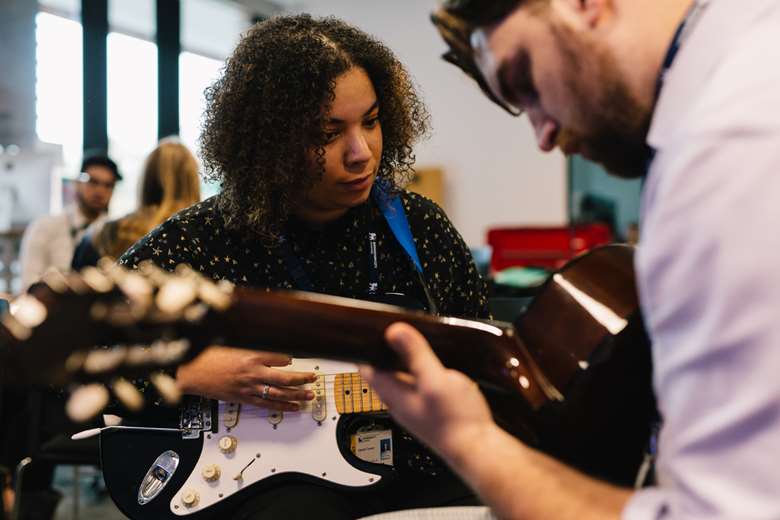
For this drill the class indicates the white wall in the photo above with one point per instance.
(495, 175)
(17, 79)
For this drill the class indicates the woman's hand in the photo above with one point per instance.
(245, 376)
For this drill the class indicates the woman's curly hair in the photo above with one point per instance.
(267, 113)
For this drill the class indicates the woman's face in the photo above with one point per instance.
(352, 153)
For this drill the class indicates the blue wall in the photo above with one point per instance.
(589, 178)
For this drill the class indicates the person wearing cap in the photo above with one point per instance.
(684, 93)
(50, 240)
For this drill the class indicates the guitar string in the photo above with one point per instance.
(356, 402)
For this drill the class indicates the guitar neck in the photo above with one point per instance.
(353, 395)
(308, 325)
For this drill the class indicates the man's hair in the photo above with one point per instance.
(266, 114)
(456, 21)
(96, 158)
(482, 12)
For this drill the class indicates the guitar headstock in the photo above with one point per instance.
(105, 326)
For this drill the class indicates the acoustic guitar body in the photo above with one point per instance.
(586, 333)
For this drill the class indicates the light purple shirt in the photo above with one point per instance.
(708, 269)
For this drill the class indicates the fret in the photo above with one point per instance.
(354, 395)
(338, 391)
(376, 403)
(364, 395)
(349, 404)
(357, 400)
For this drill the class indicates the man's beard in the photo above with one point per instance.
(89, 211)
(617, 123)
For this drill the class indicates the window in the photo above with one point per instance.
(59, 85)
(210, 29)
(132, 112)
(195, 74)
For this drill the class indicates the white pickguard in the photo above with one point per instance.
(298, 444)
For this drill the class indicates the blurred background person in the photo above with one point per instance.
(169, 184)
(50, 240)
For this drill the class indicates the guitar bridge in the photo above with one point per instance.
(196, 418)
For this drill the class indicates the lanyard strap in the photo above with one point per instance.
(680, 36)
(393, 210)
(682, 33)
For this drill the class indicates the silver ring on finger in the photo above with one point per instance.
(266, 389)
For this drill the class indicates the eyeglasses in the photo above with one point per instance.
(87, 178)
(458, 22)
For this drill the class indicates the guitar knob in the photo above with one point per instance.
(211, 473)
(190, 498)
(228, 444)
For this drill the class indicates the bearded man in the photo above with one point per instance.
(51, 240)
(685, 93)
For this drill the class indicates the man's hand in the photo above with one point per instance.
(239, 375)
(441, 407)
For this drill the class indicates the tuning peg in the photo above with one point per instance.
(128, 394)
(137, 288)
(76, 283)
(86, 402)
(167, 387)
(216, 296)
(55, 281)
(75, 361)
(175, 295)
(96, 280)
(111, 419)
(121, 313)
(153, 273)
(104, 360)
(138, 355)
(15, 327)
(29, 311)
(168, 352)
(186, 270)
(195, 313)
(98, 311)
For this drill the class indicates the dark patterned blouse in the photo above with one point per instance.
(335, 258)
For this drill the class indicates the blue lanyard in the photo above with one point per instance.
(393, 210)
(679, 38)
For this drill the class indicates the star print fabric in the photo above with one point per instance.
(334, 257)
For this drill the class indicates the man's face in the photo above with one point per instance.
(570, 86)
(95, 190)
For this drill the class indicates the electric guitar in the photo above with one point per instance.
(572, 377)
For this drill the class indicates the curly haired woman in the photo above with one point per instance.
(310, 132)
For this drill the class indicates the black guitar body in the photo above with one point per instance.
(128, 453)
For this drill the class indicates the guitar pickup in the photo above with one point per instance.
(231, 414)
(319, 409)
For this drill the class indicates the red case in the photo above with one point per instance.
(547, 247)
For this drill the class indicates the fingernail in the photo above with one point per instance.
(309, 396)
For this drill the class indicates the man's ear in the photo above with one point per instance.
(590, 13)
